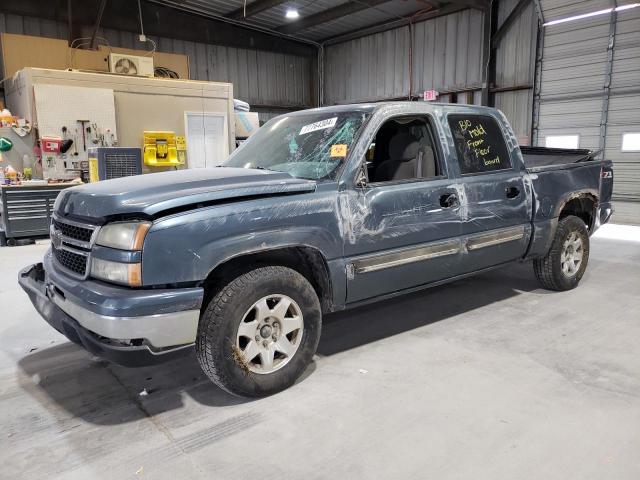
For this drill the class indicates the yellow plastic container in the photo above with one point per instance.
(164, 149)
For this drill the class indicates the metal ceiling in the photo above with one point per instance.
(319, 20)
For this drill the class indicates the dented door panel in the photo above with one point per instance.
(495, 228)
(399, 236)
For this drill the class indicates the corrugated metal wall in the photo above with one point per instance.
(624, 115)
(367, 68)
(258, 77)
(447, 57)
(573, 80)
(447, 53)
(515, 67)
(30, 26)
(573, 69)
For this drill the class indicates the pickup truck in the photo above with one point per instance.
(321, 210)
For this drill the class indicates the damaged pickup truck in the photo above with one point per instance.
(319, 211)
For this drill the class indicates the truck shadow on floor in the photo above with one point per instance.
(105, 394)
(352, 328)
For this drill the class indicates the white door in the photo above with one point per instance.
(207, 143)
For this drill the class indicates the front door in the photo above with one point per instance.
(402, 227)
(495, 205)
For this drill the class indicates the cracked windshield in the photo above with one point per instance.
(305, 146)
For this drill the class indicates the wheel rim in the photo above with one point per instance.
(269, 334)
(572, 254)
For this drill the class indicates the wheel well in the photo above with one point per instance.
(581, 207)
(307, 261)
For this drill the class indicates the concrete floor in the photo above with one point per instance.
(486, 378)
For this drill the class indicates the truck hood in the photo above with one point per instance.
(156, 192)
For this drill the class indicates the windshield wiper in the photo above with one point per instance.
(263, 168)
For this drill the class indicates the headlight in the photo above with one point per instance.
(124, 273)
(123, 235)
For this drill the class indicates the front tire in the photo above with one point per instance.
(565, 263)
(259, 333)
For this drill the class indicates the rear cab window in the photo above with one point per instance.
(479, 143)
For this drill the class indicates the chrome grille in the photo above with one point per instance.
(74, 231)
(72, 261)
(71, 244)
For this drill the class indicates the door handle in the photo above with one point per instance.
(449, 200)
(512, 192)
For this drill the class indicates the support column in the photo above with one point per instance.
(604, 117)
(487, 53)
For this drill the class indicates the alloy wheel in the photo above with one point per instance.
(269, 334)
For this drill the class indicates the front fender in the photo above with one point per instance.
(187, 247)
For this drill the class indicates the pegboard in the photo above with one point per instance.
(62, 105)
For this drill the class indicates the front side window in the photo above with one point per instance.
(311, 146)
(403, 149)
(479, 144)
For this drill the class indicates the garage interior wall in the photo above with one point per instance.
(515, 68)
(447, 57)
(272, 83)
(574, 97)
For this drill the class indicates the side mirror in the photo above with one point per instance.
(361, 179)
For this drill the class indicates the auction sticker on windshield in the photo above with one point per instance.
(338, 150)
(321, 125)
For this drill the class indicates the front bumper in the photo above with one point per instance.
(127, 340)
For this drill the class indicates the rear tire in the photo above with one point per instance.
(259, 332)
(565, 263)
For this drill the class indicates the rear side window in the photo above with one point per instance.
(479, 144)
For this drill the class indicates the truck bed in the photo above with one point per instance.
(537, 158)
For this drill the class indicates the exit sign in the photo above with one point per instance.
(430, 95)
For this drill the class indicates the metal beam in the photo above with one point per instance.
(168, 18)
(325, 16)
(253, 9)
(487, 52)
(537, 89)
(539, 10)
(512, 88)
(509, 21)
(96, 25)
(477, 4)
(604, 117)
(246, 35)
(69, 22)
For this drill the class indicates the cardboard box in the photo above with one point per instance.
(247, 123)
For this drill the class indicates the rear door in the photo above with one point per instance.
(495, 206)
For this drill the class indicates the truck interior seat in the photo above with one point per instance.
(407, 160)
(430, 167)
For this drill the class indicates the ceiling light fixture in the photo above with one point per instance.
(292, 13)
(592, 14)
